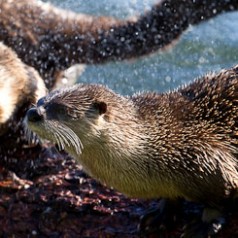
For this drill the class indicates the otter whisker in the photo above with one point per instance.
(71, 137)
(57, 136)
(31, 136)
(65, 137)
(59, 141)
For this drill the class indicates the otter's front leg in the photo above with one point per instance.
(206, 226)
(171, 214)
(161, 219)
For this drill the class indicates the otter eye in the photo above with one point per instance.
(73, 113)
(55, 109)
(60, 109)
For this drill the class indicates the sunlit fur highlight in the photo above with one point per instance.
(19, 84)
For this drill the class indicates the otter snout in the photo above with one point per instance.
(35, 114)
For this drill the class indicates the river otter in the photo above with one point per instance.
(19, 84)
(171, 145)
(51, 39)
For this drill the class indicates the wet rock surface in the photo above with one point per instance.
(62, 201)
(51, 196)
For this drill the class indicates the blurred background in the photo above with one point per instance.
(207, 47)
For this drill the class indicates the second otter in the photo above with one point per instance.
(178, 144)
(19, 84)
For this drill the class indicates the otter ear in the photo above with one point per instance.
(101, 107)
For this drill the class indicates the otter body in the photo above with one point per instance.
(171, 145)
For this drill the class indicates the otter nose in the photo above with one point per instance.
(34, 115)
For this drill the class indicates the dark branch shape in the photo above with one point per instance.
(52, 40)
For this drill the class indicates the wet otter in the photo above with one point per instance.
(178, 144)
(19, 84)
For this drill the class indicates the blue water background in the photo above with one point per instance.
(203, 48)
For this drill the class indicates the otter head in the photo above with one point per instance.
(101, 124)
(72, 117)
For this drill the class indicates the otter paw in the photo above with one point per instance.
(200, 229)
(160, 220)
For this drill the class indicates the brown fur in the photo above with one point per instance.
(178, 144)
(36, 30)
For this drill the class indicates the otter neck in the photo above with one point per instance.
(112, 160)
(119, 157)
(110, 151)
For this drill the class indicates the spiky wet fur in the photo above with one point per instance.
(177, 144)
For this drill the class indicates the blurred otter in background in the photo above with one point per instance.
(51, 39)
(20, 85)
